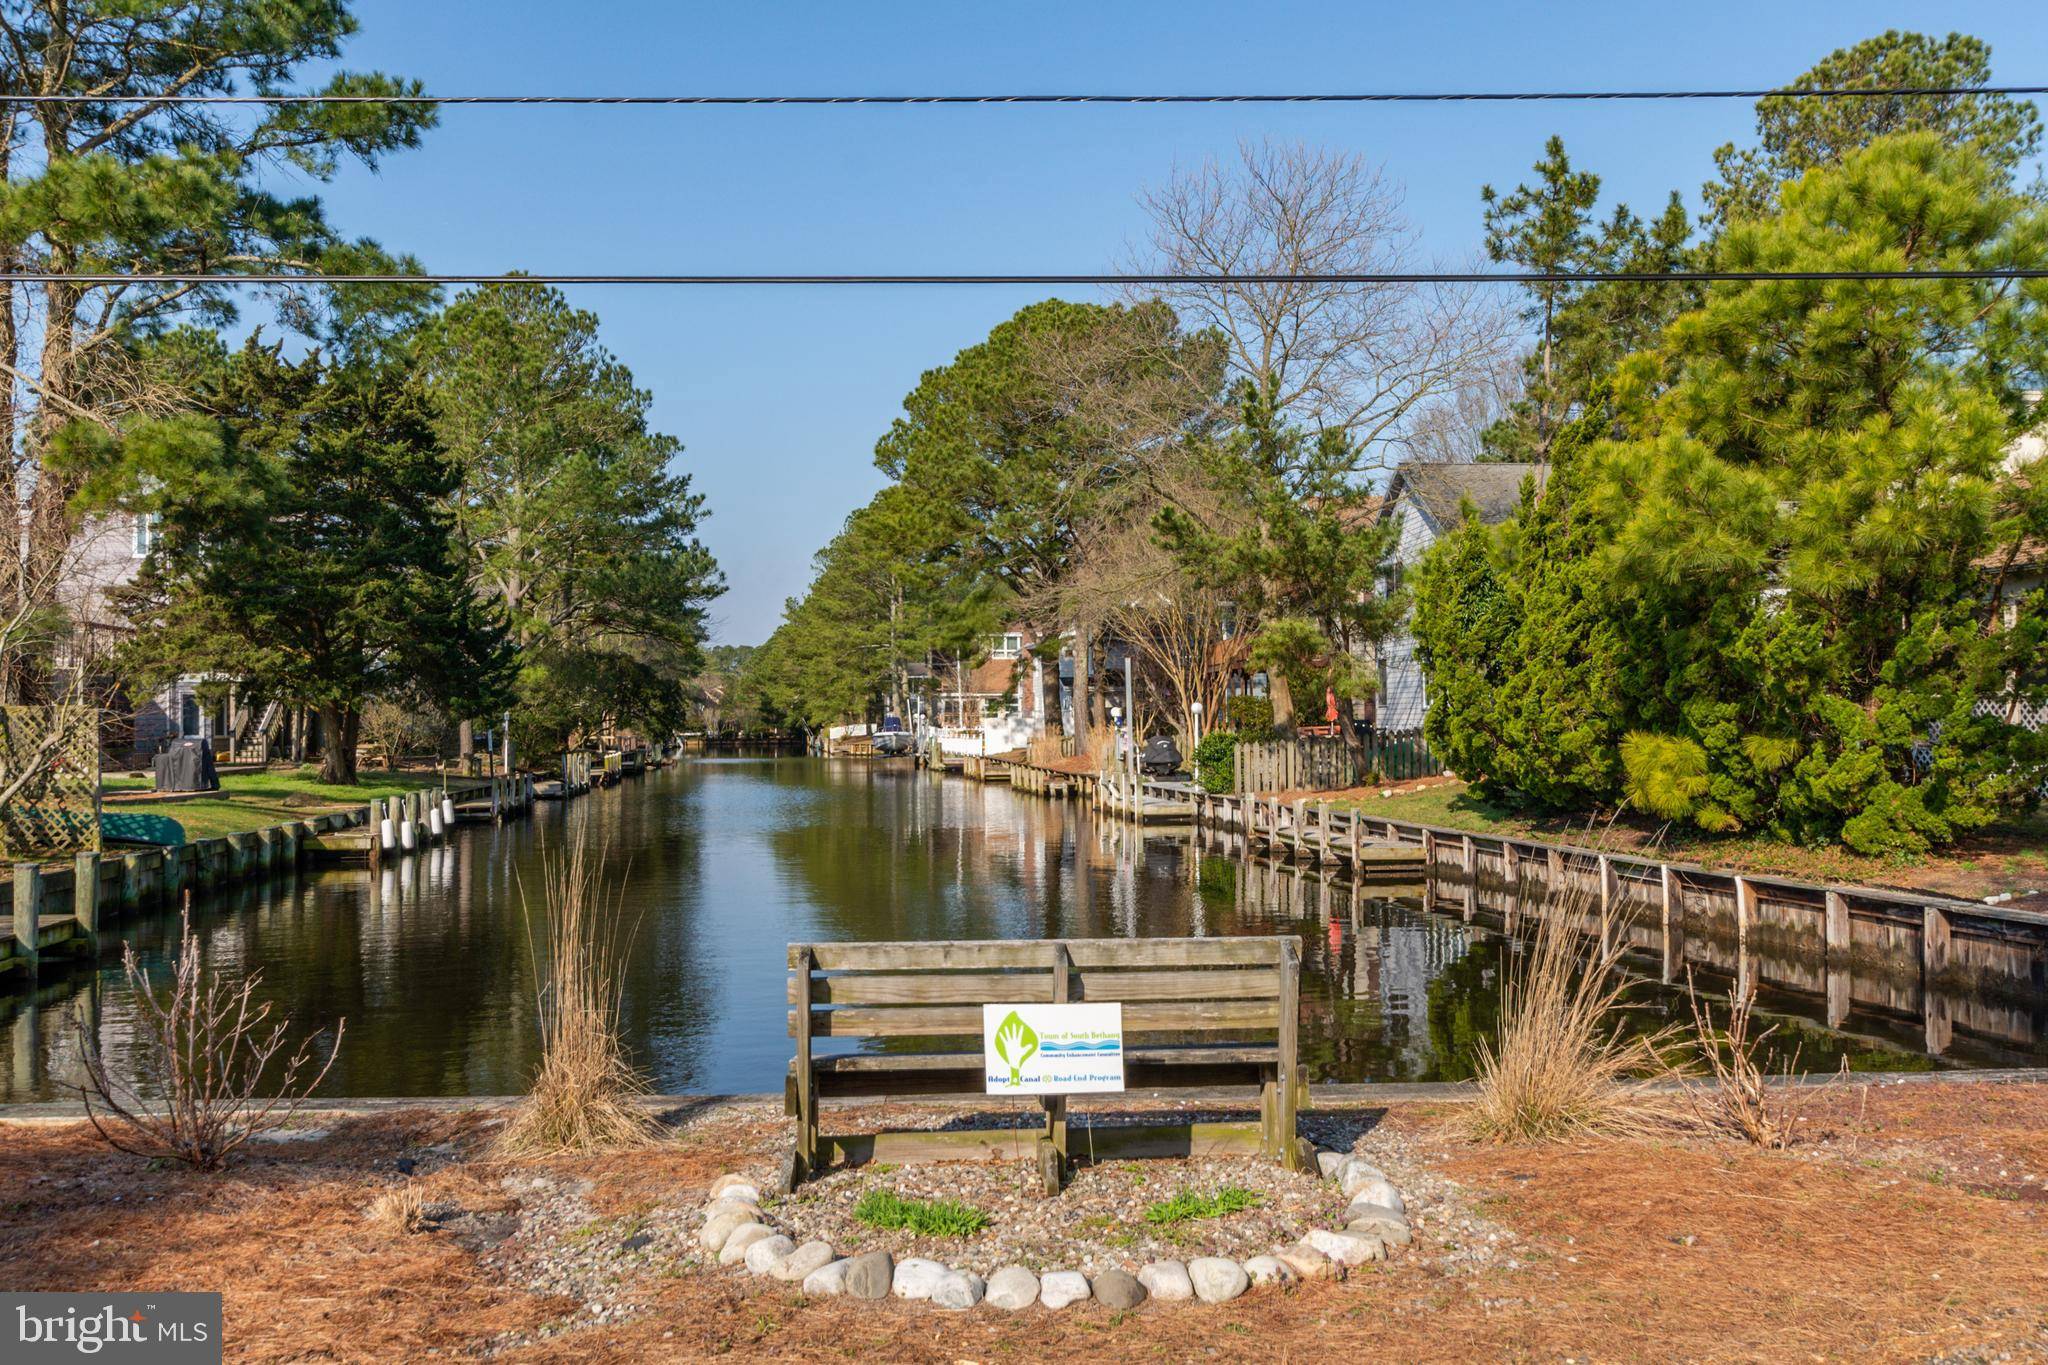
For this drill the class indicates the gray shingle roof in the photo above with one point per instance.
(1439, 489)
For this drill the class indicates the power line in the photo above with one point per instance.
(1328, 97)
(2008, 273)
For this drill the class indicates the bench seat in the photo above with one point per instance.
(1198, 1015)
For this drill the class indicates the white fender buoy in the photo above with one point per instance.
(386, 839)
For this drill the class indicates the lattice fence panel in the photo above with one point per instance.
(49, 780)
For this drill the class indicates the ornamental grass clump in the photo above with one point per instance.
(1563, 1064)
(586, 1093)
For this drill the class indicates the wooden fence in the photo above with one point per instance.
(1331, 764)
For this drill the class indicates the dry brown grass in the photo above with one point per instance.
(583, 1095)
(1562, 1065)
(1044, 749)
(401, 1210)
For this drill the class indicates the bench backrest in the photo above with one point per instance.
(1197, 989)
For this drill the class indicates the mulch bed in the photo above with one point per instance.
(1907, 1225)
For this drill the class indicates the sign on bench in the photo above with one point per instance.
(1181, 1014)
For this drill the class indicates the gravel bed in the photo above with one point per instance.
(1097, 1223)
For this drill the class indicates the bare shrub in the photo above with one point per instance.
(585, 1094)
(1563, 1065)
(401, 1210)
(1045, 748)
(1736, 1096)
(210, 1045)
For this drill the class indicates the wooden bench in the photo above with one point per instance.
(1199, 1014)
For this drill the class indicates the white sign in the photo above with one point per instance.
(1052, 1049)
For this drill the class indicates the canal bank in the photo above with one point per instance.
(720, 862)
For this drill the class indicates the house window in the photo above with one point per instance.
(1009, 646)
(145, 533)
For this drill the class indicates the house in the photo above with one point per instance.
(1427, 499)
(106, 555)
(1003, 695)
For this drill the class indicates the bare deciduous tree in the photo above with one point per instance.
(1364, 357)
(1129, 583)
(1452, 429)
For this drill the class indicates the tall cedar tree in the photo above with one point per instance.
(307, 549)
(1525, 664)
(569, 514)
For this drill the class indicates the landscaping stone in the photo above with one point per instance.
(1268, 1270)
(1379, 1192)
(958, 1289)
(1377, 1220)
(1346, 1248)
(1305, 1261)
(715, 1233)
(1013, 1287)
(1355, 1174)
(735, 1186)
(1167, 1281)
(1328, 1163)
(916, 1277)
(1217, 1279)
(639, 1241)
(1118, 1289)
(735, 1249)
(1058, 1288)
(826, 1280)
(768, 1252)
(719, 1208)
(869, 1275)
(799, 1264)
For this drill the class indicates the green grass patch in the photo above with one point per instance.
(1189, 1205)
(249, 801)
(925, 1217)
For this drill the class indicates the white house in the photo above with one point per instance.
(1426, 500)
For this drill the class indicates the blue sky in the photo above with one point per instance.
(779, 395)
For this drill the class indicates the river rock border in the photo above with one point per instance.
(740, 1234)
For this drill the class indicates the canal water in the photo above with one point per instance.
(719, 863)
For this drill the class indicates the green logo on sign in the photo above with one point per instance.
(1016, 1044)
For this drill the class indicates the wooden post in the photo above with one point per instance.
(1745, 908)
(131, 885)
(1469, 857)
(1934, 962)
(1553, 868)
(1357, 826)
(1511, 864)
(1671, 916)
(806, 1082)
(1056, 1105)
(28, 905)
(173, 874)
(1322, 832)
(85, 897)
(1290, 1047)
(1428, 849)
(1841, 941)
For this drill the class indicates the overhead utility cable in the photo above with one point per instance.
(1327, 97)
(1248, 280)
